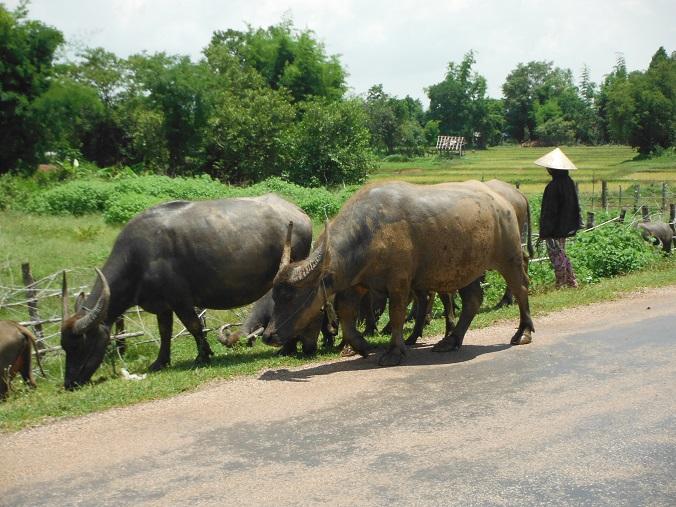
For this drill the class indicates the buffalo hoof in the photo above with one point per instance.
(202, 360)
(310, 350)
(447, 344)
(347, 351)
(412, 340)
(391, 358)
(288, 349)
(158, 365)
(523, 339)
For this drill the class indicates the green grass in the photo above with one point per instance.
(81, 243)
(27, 407)
(615, 164)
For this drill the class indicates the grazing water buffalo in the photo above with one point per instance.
(16, 344)
(660, 233)
(177, 256)
(397, 238)
(258, 319)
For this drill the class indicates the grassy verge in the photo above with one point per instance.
(49, 401)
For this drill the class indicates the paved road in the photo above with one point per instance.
(583, 416)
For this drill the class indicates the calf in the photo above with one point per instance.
(15, 354)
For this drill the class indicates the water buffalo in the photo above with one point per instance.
(174, 257)
(421, 314)
(400, 238)
(258, 319)
(660, 233)
(16, 345)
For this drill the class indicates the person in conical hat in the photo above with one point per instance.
(560, 215)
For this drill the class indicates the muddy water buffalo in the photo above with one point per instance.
(398, 237)
(177, 256)
(522, 209)
(16, 346)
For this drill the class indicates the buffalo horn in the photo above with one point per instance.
(286, 253)
(64, 297)
(317, 260)
(96, 315)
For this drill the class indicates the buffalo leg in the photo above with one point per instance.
(397, 349)
(347, 309)
(447, 300)
(421, 305)
(25, 368)
(471, 296)
(368, 310)
(165, 323)
(517, 282)
(507, 299)
(193, 324)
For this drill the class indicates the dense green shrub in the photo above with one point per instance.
(202, 187)
(609, 251)
(76, 197)
(125, 206)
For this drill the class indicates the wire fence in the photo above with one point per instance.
(38, 306)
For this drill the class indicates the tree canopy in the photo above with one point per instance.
(270, 101)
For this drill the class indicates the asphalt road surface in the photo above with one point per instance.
(585, 415)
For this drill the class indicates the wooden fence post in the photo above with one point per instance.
(29, 282)
(604, 195)
(623, 212)
(590, 219)
(672, 216)
(664, 198)
(646, 213)
(637, 197)
(619, 199)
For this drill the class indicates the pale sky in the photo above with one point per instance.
(404, 44)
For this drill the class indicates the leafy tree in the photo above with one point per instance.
(248, 137)
(641, 108)
(617, 76)
(382, 120)
(543, 103)
(431, 131)
(411, 138)
(395, 124)
(459, 101)
(285, 57)
(586, 119)
(180, 92)
(26, 56)
(331, 144)
(69, 113)
(492, 124)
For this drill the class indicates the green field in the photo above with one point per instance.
(52, 243)
(615, 164)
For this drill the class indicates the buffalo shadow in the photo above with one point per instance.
(420, 355)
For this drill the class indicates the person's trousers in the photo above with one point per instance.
(563, 270)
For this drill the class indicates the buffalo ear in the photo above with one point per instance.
(79, 302)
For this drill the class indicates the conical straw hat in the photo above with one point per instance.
(556, 159)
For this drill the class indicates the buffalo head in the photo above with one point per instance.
(84, 336)
(299, 293)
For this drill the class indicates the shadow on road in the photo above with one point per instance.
(418, 356)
